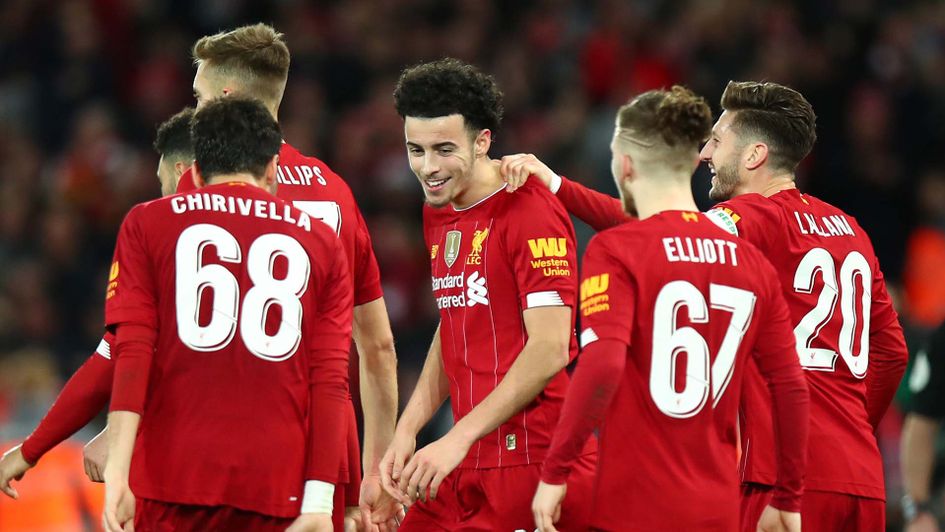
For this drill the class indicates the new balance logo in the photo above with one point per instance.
(548, 247)
(476, 290)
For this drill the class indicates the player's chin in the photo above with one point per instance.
(436, 200)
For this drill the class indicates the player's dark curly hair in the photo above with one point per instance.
(450, 86)
(234, 135)
(173, 136)
(777, 115)
(677, 116)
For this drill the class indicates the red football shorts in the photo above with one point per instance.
(157, 516)
(501, 499)
(821, 511)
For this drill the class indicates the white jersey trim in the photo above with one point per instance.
(550, 298)
(588, 336)
(104, 349)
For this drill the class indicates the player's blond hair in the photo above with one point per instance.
(254, 57)
(664, 127)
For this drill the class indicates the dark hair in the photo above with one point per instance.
(256, 55)
(234, 135)
(677, 116)
(778, 115)
(173, 136)
(449, 86)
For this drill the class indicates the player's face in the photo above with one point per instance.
(167, 175)
(722, 153)
(441, 154)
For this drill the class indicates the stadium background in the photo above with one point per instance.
(83, 84)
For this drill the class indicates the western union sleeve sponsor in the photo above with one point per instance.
(594, 297)
(548, 247)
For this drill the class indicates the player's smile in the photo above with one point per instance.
(435, 185)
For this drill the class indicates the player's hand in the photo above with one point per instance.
(430, 465)
(774, 520)
(119, 515)
(392, 464)
(546, 505)
(94, 455)
(924, 522)
(515, 170)
(311, 523)
(352, 521)
(12, 467)
(380, 512)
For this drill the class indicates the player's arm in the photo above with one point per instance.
(432, 389)
(546, 352)
(328, 344)
(918, 461)
(377, 368)
(776, 358)
(378, 375)
(888, 352)
(81, 399)
(597, 210)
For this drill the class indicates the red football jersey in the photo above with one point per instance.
(690, 304)
(489, 263)
(245, 395)
(311, 186)
(848, 338)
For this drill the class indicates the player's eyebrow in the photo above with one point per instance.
(438, 145)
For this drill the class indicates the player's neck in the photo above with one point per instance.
(653, 198)
(233, 178)
(484, 181)
(777, 184)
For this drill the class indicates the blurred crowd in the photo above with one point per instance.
(84, 83)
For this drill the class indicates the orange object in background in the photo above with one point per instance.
(55, 496)
(922, 277)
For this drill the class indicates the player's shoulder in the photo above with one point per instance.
(746, 209)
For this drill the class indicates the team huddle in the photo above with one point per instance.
(734, 363)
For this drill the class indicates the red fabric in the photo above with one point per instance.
(848, 395)
(311, 186)
(500, 499)
(289, 410)
(156, 516)
(526, 252)
(668, 441)
(85, 394)
(597, 210)
(821, 511)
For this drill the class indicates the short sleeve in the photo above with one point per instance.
(542, 251)
(607, 295)
(746, 218)
(367, 276)
(130, 295)
(927, 377)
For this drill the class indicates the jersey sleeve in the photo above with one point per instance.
(130, 295)
(607, 297)
(746, 219)
(596, 209)
(131, 310)
(327, 346)
(888, 352)
(367, 276)
(542, 252)
(85, 394)
(776, 358)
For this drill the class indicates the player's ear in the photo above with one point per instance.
(483, 142)
(627, 170)
(198, 176)
(756, 155)
(180, 167)
(270, 174)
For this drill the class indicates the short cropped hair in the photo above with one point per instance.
(173, 136)
(777, 115)
(234, 135)
(255, 56)
(677, 118)
(446, 87)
